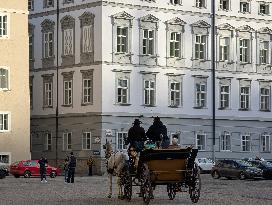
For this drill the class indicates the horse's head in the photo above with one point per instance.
(108, 149)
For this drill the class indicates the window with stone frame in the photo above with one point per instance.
(122, 87)
(245, 6)
(122, 35)
(48, 43)
(120, 141)
(31, 43)
(264, 52)
(31, 91)
(201, 141)
(87, 87)
(47, 90)
(4, 25)
(264, 8)
(67, 88)
(176, 2)
(265, 143)
(148, 39)
(86, 140)
(245, 143)
(149, 89)
(224, 49)
(5, 157)
(224, 5)
(30, 5)
(265, 95)
(200, 3)
(48, 142)
(263, 47)
(67, 141)
(87, 37)
(175, 90)
(244, 50)
(48, 3)
(225, 142)
(200, 92)
(4, 122)
(224, 93)
(245, 94)
(200, 47)
(68, 40)
(4, 78)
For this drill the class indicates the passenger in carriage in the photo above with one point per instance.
(136, 136)
(174, 144)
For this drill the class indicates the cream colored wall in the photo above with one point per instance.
(14, 54)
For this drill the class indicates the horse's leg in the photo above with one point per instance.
(110, 185)
(120, 192)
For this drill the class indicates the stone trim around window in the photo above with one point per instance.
(124, 75)
(87, 19)
(31, 28)
(87, 74)
(123, 20)
(68, 76)
(45, 4)
(68, 22)
(47, 78)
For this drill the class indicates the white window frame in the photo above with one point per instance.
(244, 140)
(122, 47)
(265, 143)
(124, 91)
(199, 99)
(66, 146)
(224, 97)
(87, 91)
(48, 142)
(198, 146)
(264, 52)
(68, 42)
(87, 42)
(86, 136)
(266, 10)
(265, 99)
(7, 24)
(5, 116)
(227, 3)
(225, 142)
(68, 92)
(176, 2)
(245, 3)
(175, 49)
(6, 154)
(200, 47)
(8, 78)
(149, 49)
(48, 44)
(224, 49)
(122, 146)
(174, 101)
(30, 5)
(244, 98)
(148, 91)
(48, 94)
(244, 51)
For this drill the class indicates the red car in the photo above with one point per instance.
(28, 168)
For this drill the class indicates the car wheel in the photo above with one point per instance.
(53, 174)
(242, 176)
(16, 176)
(27, 174)
(215, 175)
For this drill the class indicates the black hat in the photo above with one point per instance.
(157, 119)
(71, 153)
(137, 122)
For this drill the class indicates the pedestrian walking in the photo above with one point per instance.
(90, 163)
(43, 163)
(66, 169)
(71, 168)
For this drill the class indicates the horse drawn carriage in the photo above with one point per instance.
(174, 168)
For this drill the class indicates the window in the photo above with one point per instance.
(225, 5)
(48, 3)
(48, 44)
(122, 40)
(5, 158)
(31, 91)
(175, 45)
(200, 3)
(4, 122)
(224, 96)
(122, 91)
(244, 7)
(3, 26)
(4, 79)
(86, 141)
(48, 94)
(200, 94)
(245, 143)
(148, 42)
(200, 47)
(87, 91)
(175, 2)
(67, 141)
(121, 137)
(264, 9)
(201, 141)
(87, 39)
(265, 99)
(224, 49)
(68, 92)
(149, 92)
(31, 54)
(244, 50)
(48, 142)
(264, 51)
(244, 98)
(265, 143)
(68, 44)
(175, 94)
(225, 142)
(30, 5)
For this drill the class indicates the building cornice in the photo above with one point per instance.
(16, 11)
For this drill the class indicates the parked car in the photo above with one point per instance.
(235, 169)
(265, 166)
(3, 170)
(28, 168)
(204, 164)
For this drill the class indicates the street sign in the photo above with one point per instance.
(96, 152)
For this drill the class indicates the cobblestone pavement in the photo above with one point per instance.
(93, 190)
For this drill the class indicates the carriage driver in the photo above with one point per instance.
(136, 136)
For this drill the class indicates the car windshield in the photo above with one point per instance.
(243, 163)
(204, 160)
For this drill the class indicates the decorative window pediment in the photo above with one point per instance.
(67, 22)
(265, 30)
(149, 18)
(122, 15)
(47, 25)
(225, 26)
(201, 24)
(86, 19)
(176, 21)
(245, 28)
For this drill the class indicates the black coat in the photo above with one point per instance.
(156, 130)
(72, 162)
(43, 162)
(136, 134)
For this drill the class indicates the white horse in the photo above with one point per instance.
(116, 163)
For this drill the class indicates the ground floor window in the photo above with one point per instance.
(5, 158)
(201, 141)
(121, 136)
(86, 141)
(245, 143)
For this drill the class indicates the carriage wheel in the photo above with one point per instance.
(146, 188)
(128, 187)
(171, 191)
(194, 189)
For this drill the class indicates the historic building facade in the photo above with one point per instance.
(14, 76)
(120, 60)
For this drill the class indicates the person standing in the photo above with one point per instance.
(66, 168)
(71, 168)
(43, 162)
(90, 163)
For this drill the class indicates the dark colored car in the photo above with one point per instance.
(265, 166)
(28, 168)
(235, 169)
(3, 170)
